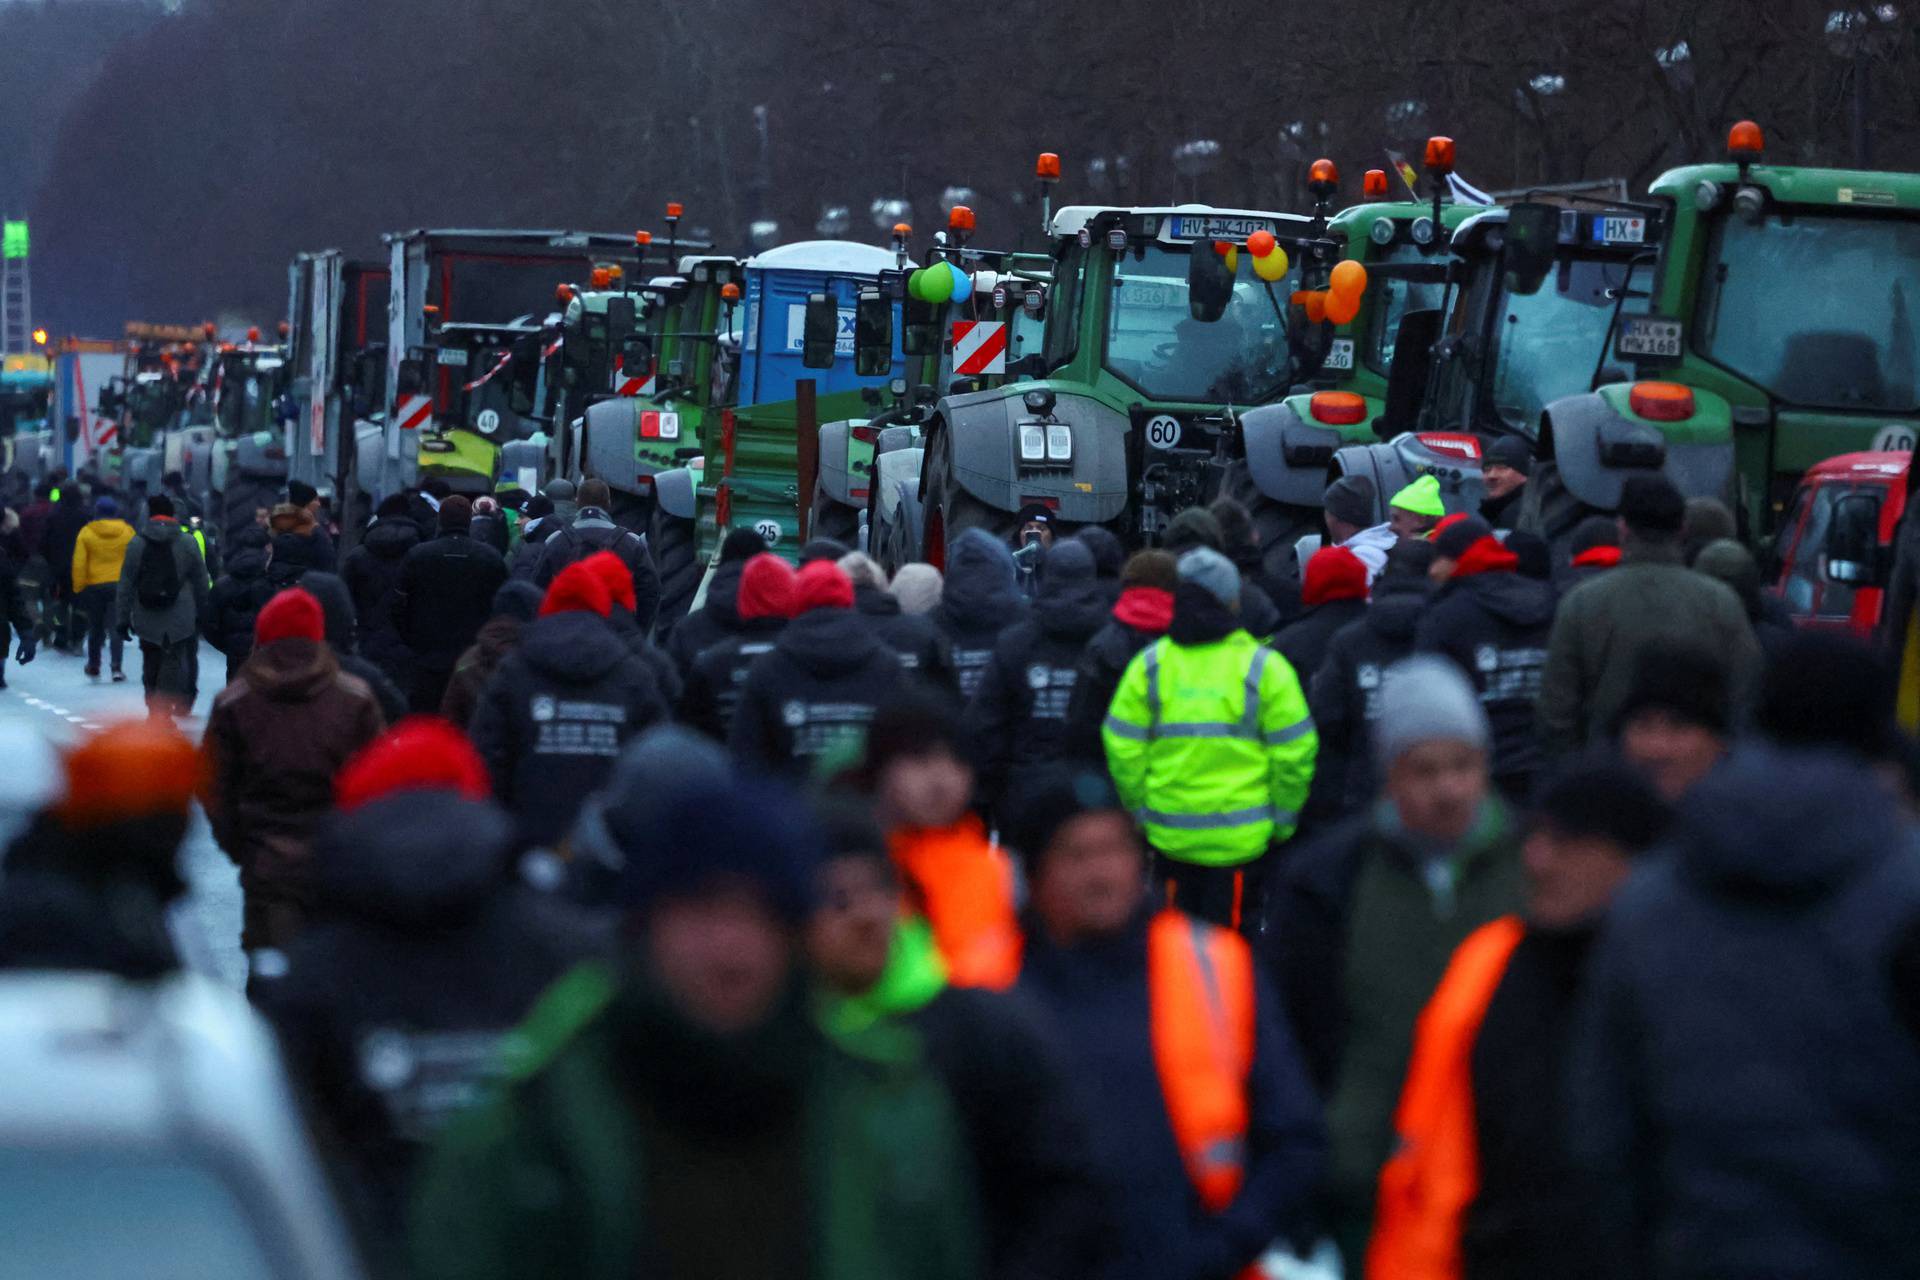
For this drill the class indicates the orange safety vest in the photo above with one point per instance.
(964, 887)
(1200, 993)
(1434, 1173)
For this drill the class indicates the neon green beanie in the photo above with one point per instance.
(1422, 497)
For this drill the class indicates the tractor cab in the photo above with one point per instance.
(1833, 554)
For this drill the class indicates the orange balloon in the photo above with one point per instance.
(1343, 307)
(1349, 278)
(1261, 243)
(1317, 305)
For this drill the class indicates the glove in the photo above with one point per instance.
(27, 649)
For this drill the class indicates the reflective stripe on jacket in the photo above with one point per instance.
(1212, 748)
(1434, 1174)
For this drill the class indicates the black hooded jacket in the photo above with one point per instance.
(594, 531)
(1017, 717)
(979, 599)
(1495, 626)
(372, 574)
(555, 715)
(911, 636)
(712, 691)
(234, 602)
(1303, 642)
(1345, 693)
(717, 619)
(1742, 1089)
(424, 952)
(809, 700)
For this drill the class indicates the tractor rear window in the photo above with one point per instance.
(1817, 309)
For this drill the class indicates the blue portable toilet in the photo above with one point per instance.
(778, 283)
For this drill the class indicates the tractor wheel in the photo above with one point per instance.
(676, 545)
(1278, 524)
(951, 510)
(831, 519)
(1549, 510)
(633, 511)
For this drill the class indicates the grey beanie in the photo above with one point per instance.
(558, 490)
(1351, 499)
(1424, 699)
(917, 587)
(1213, 573)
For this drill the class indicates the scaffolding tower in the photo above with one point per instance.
(16, 293)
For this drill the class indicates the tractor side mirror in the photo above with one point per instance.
(1533, 236)
(1852, 551)
(820, 331)
(636, 355)
(1412, 367)
(921, 328)
(872, 334)
(622, 316)
(1209, 282)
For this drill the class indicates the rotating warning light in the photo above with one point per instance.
(730, 292)
(641, 239)
(1047, 167)
(960, 218)
(1439, 155)
(1745, 142)
(1373, 184)
(674, 210)
(253, 334)
(1661, 401)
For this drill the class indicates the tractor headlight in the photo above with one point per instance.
(1033, 442)
(1059, 442)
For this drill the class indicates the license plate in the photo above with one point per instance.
(1340, 354)
(1645, 336)
(1214, 227)
(452, 358)
(1614, 229)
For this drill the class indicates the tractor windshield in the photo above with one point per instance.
(1155, 344)
(1547, 343)
(1388, 299)
(1817, 308)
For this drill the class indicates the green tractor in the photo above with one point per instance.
(26, 399)
(866, 491)
(1781, 332)
(1160, 330)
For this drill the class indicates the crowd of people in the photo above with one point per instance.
(1060, 912)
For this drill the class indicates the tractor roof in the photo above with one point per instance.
(834, 257)
(1069, 220)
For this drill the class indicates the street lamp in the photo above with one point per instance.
(1194, 159)
(1859, 36)
(887, 211)
(834, 221)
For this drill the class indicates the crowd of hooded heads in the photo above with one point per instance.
(1430, 900)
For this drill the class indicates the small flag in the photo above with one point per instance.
(1406, 172)
(1465, 192)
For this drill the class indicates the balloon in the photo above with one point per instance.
(935, 285)
(962, 283)
(1261, 243)
(1317, 305)
(1343, 307)
(916, 284)
(1349, 278)
(1273, 266)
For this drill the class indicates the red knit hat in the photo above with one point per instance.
(766, 588)
(1334, 573)
(421, 753)
(607, 567)
(292, 615)
(577, 589)
(822, 585)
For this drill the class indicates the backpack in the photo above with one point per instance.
(158, 584)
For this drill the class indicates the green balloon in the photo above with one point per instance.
(916, 282)
(937, 285)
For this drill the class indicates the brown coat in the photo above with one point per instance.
(274, 740)
(498, 638)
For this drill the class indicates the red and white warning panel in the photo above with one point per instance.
(415, 412)
(979, 346)
(659, 424)
(626, 385)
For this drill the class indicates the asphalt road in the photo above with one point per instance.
(52, 694)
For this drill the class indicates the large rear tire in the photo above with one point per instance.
(675, 544)
(830, 519)
(951, 510)
(244, 496)
(1549, 510)
(1279, 524)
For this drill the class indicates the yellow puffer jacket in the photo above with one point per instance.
(99, 552)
